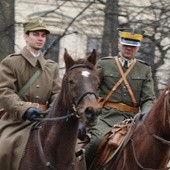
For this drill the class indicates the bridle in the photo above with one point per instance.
(75, 104)
(78, 101)
(74, 113)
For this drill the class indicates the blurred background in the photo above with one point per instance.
(84, 25)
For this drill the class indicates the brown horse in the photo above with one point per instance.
(147, 144)
(52, 145)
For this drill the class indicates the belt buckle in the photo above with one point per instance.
(36, 105)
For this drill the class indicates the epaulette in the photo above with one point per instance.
(144, 62)
(14, 54)
(108, 57)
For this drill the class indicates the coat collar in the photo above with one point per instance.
(32, 60)
(123, 60)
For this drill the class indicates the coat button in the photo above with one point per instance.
(37, 97)
(38, 86)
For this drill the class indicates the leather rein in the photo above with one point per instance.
(160, 139)
(136, 160)
(164, 141)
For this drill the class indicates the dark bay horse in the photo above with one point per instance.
(147, 144)
(52, 146)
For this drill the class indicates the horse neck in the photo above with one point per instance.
(62, 132)
(157, 120)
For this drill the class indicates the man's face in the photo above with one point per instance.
(128, 52)
(35, 40)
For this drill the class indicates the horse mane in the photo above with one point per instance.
(161, 107)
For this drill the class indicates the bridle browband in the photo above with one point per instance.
(80, 65)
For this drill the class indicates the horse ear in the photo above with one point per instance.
(69, 62)
(92, 57)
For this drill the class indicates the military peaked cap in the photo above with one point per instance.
(35, 25)
(130, 36)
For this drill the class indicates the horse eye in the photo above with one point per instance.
(71, 81)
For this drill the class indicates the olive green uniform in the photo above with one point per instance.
(141, 83)
(15, 71)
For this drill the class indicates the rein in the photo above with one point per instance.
(136, 160)
(160, 139)
(74, 114)
(55, 118)
(164, 141)
(43, 157)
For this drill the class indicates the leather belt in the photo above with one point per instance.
(39, 106)
(120, 106)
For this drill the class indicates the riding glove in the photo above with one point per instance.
(81, 131)
(32, 113)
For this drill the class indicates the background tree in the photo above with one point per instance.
(97, 22)
(6, 27)
(110, 35)
(153, 17)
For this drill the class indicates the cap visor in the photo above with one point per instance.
(130, 42)
(40, 29)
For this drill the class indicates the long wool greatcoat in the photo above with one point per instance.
(15, 71)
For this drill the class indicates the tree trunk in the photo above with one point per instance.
(110, 34)
(6, 27)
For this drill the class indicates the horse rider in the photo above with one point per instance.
(29, 84)
(126, 88)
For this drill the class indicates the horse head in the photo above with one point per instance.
(81, 84)
(77, 102)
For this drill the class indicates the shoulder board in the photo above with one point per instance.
(105, 58)
(14, 54)
(144, 62)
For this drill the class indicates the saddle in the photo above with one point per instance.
(111, 144)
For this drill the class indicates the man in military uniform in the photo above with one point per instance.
(126, 88)
(28, 84)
